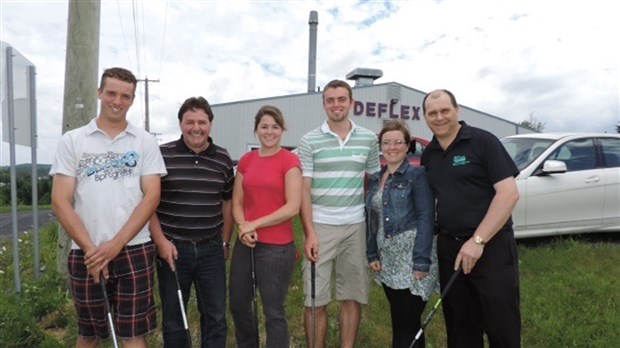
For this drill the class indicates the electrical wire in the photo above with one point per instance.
(136, 37)
(163, 40)
(120, 20)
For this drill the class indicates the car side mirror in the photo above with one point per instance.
(552, 167)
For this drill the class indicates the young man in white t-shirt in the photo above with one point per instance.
(106, 188)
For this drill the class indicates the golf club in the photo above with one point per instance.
(107, 309)
(430, 315)
(182, 306)
(255, 299)
(313, 297)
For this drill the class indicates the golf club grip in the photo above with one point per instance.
(450, 282)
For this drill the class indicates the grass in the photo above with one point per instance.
(569, 293)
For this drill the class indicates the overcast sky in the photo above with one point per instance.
(555, 60)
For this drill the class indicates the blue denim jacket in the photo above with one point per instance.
(408, 204)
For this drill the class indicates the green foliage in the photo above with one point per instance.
(24, 169)
(534, 123)
(40, 302)
(5, 194)
(569, 298)
(24, 184)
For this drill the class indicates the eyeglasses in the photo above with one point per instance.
(387, 143)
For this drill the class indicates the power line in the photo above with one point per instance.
(163, 39)
(144, 48)
(120, 19)
(136, 36)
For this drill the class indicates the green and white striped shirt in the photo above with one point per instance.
(337, 169)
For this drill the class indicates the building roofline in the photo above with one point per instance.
(384, 84)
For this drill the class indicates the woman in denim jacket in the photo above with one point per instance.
(401, 246)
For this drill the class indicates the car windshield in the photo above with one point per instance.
(525, 150)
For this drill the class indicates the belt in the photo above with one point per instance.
(459, 238)
(443, 232)
(194, 241)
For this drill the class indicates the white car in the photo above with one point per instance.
(569, 183)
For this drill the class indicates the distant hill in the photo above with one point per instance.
(24, 169)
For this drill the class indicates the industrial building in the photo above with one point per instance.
(374, 105)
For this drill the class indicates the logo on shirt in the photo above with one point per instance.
(108, 165)
(459, 161)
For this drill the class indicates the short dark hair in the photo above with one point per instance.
(119, 74)
(396, 125)
(436, 93)
(270, 111)
(193, 103)
(338, 84)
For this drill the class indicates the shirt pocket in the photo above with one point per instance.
(400, 196)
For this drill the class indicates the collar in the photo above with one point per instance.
(325, 127)
(92, 127)
(210, 150)
(464, 133)
(401, 170)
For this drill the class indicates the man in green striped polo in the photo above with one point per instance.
(335, 158)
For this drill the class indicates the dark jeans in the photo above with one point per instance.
(274, 266)
(487, 299)
(405, 312)
(204, 266)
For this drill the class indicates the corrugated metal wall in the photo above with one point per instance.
(233, 126)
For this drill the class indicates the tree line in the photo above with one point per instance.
(24, 184)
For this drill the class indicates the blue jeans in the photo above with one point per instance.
(274, 268)
(203, 265)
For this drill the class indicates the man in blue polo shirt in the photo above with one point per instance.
(472, 177)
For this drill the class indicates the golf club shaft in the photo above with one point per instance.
(107, 308)
(185, 325)
(313, 297)
(180, 296)
(182, 306)
(255, 299)
(432, 313)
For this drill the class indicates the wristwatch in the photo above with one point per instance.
(478, 240)
(226, 245)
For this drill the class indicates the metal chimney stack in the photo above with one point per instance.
(314, 23)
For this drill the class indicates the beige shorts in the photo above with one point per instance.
(343, 248)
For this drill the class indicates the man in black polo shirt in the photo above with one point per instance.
(472, 177)
(193, 225)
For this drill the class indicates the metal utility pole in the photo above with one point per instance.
(147, 124)
(80, 93)
(34, 172)
(11, 111)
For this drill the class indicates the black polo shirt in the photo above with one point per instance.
(193, 191)
(462, 178)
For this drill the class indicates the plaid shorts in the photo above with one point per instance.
(130, 294)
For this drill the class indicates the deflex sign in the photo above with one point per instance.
(387, 110)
